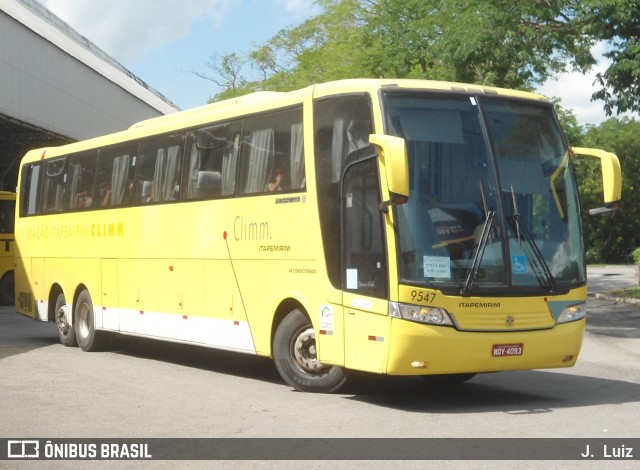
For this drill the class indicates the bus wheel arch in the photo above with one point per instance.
(88, 337)
(294, 353)
(285, 307)
(61, 313)
(7, 289)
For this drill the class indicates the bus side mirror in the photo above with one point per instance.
(393, 156)
(611, 177)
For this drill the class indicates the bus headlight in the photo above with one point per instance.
(420, 314)
(572, 313)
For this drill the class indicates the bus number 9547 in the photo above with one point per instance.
(423, 297)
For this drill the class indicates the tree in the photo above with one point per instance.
(492, 42)
(611, 237)
(617, 22)
(226, 72)
(322, 48)
(573, 131)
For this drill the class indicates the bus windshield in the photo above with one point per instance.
(493, 200)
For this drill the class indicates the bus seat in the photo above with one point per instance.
(209, 184)
(145, 193)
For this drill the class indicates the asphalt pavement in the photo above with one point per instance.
(603, 279)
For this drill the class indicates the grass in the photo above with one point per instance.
(627, 293)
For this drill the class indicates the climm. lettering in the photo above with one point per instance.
(107, 230)
(244, 229)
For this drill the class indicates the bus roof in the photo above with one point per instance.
(372, 85)
(253, 98)
(264, 100)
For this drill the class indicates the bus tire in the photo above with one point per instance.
(448, 379)
(294, 352)
(7, 290)
(88, 338)
(66, 331)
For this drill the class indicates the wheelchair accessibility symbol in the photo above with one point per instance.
(519, 264)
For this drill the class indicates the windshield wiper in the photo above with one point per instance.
(516, 213)
(477, 257)
(539, 263)
(520, 227)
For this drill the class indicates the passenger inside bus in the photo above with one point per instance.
(277, 180)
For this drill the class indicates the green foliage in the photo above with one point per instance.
(616, 22)
(569, 123)
(612, 237)
(628, 293)
(513, 44)
(495, 42)
(636, 256)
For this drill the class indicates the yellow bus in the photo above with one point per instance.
(7, 262)
(389, 226)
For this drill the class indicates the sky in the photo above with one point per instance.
(164, 41)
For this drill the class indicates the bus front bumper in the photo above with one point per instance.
(417, 349)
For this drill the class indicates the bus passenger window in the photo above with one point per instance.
(30, 183)
(273, 153)
(160, 164)
(211, 170)
(81, 177)
(146, 192)
(209, 184)
(53, 186)
(114, 178)
(257, 156)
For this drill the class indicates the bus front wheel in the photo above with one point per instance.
(88, 338)
(66, 332)
(295, 355)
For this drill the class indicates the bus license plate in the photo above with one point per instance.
(502, 350)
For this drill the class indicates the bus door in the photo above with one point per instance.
(365, 268)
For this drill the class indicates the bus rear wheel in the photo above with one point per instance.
(295, 355)
(88, 338)
(66, 332)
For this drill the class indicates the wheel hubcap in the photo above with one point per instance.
(304, 351)
(61, 320)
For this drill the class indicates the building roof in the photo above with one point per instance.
(50, 27)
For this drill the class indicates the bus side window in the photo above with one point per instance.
(208, 150)
(273, 153)
(53, 188)
(145, 168)
(363, 223)
(230, 163)
(7, 211)
(114, 180)
(341, 128)
(257, 156)
(160, 165)
(81, 178)
(30, 183)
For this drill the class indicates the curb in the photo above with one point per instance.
(623, 300)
